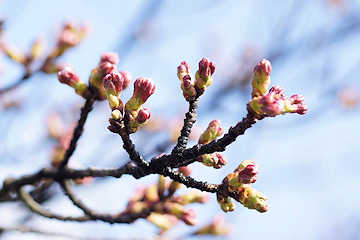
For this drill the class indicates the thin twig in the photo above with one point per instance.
(78, 131)
(190, 118)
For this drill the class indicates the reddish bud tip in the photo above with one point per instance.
(144, 88)
(107, 67)
(68, 76)
(187, 81)
(110, 57)
(299, 102)
(143, 115)
(263, 67)
(127, 78)
(206, 68)
(248, 174)
(189, 217)
(113, 82)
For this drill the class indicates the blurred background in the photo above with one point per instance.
(308, 164)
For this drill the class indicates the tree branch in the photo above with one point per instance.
(190, 118)
(78, 130)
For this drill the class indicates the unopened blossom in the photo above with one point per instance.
(192, 197)
(218, 227)
(188, 87)
(110, 57)
(252, 199)
(245, 173)
(143, 89)
(204, 74)
(142, 116)
(213, 131)
(162, 221)
(68, 76)
(261, 78)
(127, 78)
(275, 103)
(215, 160)
(113, 83)
(226, 203)
(182, 70)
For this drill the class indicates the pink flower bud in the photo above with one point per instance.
(144, 88)
(110, 57)
(204, 74)
(68, 38)
(277, 92)
(248, 174)
(206, 68)
(127, 78)
(113, 82)
(68, 76)
(143, 116)
(261, 79)
(107, 67)
(213, 131)
(183, 70)
(298, 102)
(189, 217)
(271, 106)
(263, 67)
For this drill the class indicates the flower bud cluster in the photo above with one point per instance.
(203, 78)
(168, 209)
(239, 183)
(213, 131)
(139, 115)
(274, 102)
(107, 65)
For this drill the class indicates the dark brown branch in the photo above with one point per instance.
(78, 130)
(190, 118)
(119, 128)
(189, 155)
(11, 185)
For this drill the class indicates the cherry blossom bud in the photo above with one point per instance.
(296, 104)
(261, 79)
(143, 115)
(182, 70)
(226, 203)
(213, 131)
(218, 227)
(192, 197)
(253, 199)
(116, 114)
(143, 89)
(245, 173)
(151, 193)
(110, 57)
(162, 221)
(215, 160)
(248, 174)
(37, 48)
(107, 67)
(189, 217)
(113, 83)
(204, 74)
(188, 88)
(127, 79)
(68, 76)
